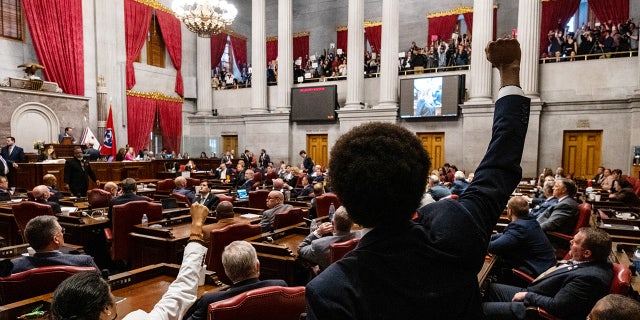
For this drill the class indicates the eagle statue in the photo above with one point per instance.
(31, 68)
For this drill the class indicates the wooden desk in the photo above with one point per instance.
(622, 257)
(142, 289)
(12, 252)
(628, 216)
(624, 233)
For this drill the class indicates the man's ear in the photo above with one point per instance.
(587, 254)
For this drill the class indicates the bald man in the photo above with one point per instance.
(51, 182)
(275, 203)
(41, 194)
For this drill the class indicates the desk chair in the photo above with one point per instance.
(27, 210)
(288, 218)
(165, 186)
(35, 282)
(181, 198)
(220, 238)
(98, 198)
(258, 199)
(223, 197)
(337, 250)
(125, 216)
(268, 303)
(324, 201)
(561, 240)
(192, 182)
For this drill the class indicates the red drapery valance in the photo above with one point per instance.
(442, 27)
(272, 49)
(136, 25)
(218, 42)
(374, 36)
(170, 113)
(56, 32)
(615, 10)
(301, 48)
(140, 113)
(172, 35)
(554, 13)
(239, 45)
(342, 39)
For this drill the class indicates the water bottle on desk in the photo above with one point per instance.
(332, 210)
(145, 220)
(636, 259)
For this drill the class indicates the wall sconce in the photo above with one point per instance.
(214, 112)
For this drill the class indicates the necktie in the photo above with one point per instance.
(561, 264)
(6, 167)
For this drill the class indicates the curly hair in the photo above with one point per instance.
(359, 161)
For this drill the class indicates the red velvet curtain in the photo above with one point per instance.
(614, 10)
(136, 25)
(172, 35)
(495, 23)
(374, 36)
(555, 12)
(239, 46)
(468, 19)
(171, 121)
(342, 40)
(301, 48)
(140, 113)
(272, 49)
(442, 27)
(218, 42)
(56, 32)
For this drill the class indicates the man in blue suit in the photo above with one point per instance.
(404, 269)
(522, 245)
(46, 237)
(562, 216)
(549, 200)
(568, 290)
(11, 153)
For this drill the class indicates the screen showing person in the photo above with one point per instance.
(427, 95)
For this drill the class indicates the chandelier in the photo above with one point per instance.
(204, 17)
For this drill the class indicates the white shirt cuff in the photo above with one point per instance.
(510, 90)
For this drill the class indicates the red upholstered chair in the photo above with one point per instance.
(268, 303)
(584, 216)
(27, 210)
(288, 218)
(192, 182)
(165, 186)
(324, 201)
(258, 199)
(220, 238)
(98, 198)
(34, 282)
(223, 197)
(339, 249)
(181, 198)
(270, 177)
(620, 284)
(125, 216)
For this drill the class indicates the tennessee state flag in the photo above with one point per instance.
(109, 142)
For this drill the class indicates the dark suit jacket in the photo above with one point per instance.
(124, 198)
(56, 195)
(17, 154)
(308, 165)
(55, 206)
(569, 293)
(199, 310)
(560, 217)
(52, 258)
(186, 192)
(542, 207)
(211, 201)
(76, 173)
(406, 270)
(523, 245)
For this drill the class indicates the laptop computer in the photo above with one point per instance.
(242, 194)
(169, 203)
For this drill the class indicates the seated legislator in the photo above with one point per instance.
(427, 268)
(224, 210)
(46, 236)
(129, 188)
(522, 245)
(241, 264)
(87, 296)
(248, 182)
(275, 203)
(549, 201)
(315, 247)
(437, 189)
(5, 192)
(307, 188)
(112, 188)
(562, 216)
(568, 290)
(460, 183)
(181, 188)
(615, 307)
(205, 197)
(51, 181)
(41, 194)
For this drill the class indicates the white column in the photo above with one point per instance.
(637, 91)
(529, 17)
(355, 54)
(203, 76)
(480, 86)
(389, 52)
(258, 57)
(285, 56)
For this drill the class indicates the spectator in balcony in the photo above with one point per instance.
(461, 56)
(570, 47)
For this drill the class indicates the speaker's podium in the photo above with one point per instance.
(67, 141)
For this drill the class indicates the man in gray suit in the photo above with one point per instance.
(315, 247)
(562, 216)
(46, 237)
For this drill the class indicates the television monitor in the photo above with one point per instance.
(431, 97)
(314, 103)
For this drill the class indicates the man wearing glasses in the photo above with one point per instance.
(46, 237)
(275, 203)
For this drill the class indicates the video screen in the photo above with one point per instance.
(427, 97)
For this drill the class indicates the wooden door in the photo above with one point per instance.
(581, 153)
(434, 144)
(230, 143)
(318, 149)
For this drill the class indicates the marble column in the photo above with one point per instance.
(480, 86)
(637, 90)
(529, 17)
(355, 53)
(258, 60)
(103, 107)
(389, 52)
(203, 76)
(285, 56)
